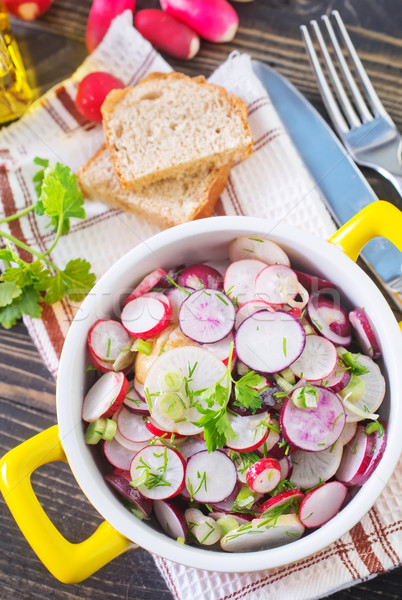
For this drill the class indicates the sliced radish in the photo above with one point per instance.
(177, 297)
(158, 472)
(240, 279)
(139, 388)
(100, 365)
(221, 349)
(356, 457)
(379, 445)
(329, 319)
(250, 308)
(105, 396)
(210, 476)
(286, 341)
(146, 285)
(322, 504)
(120, 480)
(133, 446)
(191, 446)
(315, 428)
(160, 296)
(312, 283)
(241, 519)
(348, 432)
(337, 380)
(264, 475)
(242, 462)
(133, 402)
(132, 426)
(152, 426)
(373, 395)
(286, 465)
(199, 277)
(118, 455)
(317, 360)
(275, 284)
(207, 316)
(201, 370)
(365, 333)
(312, 468)
(260, 249)
(107, 338)
(227, 503)
(289, 498)
(263, 533)
(251, 431)
(171, 518)
(272, 440)
(146, 317)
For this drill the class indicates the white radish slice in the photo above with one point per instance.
(120, 480)
(241, 519)
(286, 341)
(159, 296)
(379, 445)
(317, 360)
(100, 365)
(348, 432)
(177, 297)
(199, 277)
(221, 349)
(170, 518)
(210, 476)
(207, 316)
(315, 428)
(251, 431)
(105, 396)
(365, 333)
(227, 503)
(337, 380)
(286, 466)
(191, 446)
(107, 338)
(312, 468)
(146, 285)
(152, 426)
(132, 426)
(134, 446)
(118, 455)
(139, 388)
(263, 533)
(201, 369)
(373, 395)
(290, 498)
(356, 457)
(250, 308)
(240, 279)
(329, 319)
(322, 504)
(275, 284)
(259, 248)
(135, 403)
(145, 317)
(243, 461)
(264, 475)
(162, 468)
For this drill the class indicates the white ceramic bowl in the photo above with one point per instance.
(195, 242)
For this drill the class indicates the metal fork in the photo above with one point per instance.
(363, 125)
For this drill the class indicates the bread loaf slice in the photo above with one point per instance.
(168, 202)
(170, 123)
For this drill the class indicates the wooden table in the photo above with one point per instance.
(52, 48)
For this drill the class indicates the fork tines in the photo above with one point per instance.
(345, 114)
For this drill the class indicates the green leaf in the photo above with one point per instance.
(6, 255)
(56, 288)
(38, 179)
(26, 273)
(9, 315)
(28, 303)
(77, 278)
(245, 392)
(61, 197)
(8, 292)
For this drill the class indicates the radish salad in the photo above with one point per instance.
(236, 403)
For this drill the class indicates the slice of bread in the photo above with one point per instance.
(168, 202)
(170, 123)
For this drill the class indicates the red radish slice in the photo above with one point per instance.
(105, 396)
(365, 333)
(170, 518)
(218, 265)
(318, 359)
(118, 455)
(162, 471)
(348, 433)
(133, 446)
(312, 468)
(201, 368)
(379, 445)
(356, 457)
(286, 465)
(264, 533)
(242, 462)
(177, 297)
(191, 446)
(134, 403)
(120, 480)
(199, 277)
(251, 431)
(316, 428)
(152, 426)
(100, 365)
(312, 283)
(146, 285)
(160, 296)
(210, 476)
(227, 503)
(322, 504)
(250, 308)
(100, 17)
(337, 380)
(264, 475)
(290, 498)
(139, 388)
(286, 341)
(260, 249)
(271, 441)
(221, 349)
(107, 338)
(207, 316)
(240, 279)
(329, 319)
(275, 284)
(132, 426)
(241, 519)
(146, 317)
(373, 395)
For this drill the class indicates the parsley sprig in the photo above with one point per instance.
(25, 286)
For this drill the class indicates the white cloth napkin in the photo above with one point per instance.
(273, 184)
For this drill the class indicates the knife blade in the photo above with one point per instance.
(344, 189)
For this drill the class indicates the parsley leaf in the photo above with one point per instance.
(8, 292)
(245, 392)
(217, 427)
(28, 303)
(60, 197)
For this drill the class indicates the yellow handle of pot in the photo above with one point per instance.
(70, 563)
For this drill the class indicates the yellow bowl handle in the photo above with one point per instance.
(70, 563)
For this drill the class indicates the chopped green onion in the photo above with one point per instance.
(375, 426)
(171, 405)
(110, 430)
(142, 346)
(227, 524)
(355, 366)
(305, 397)
(283, 384)
(354, 390)
(288, 376)
(171, 381)
(95, 431)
